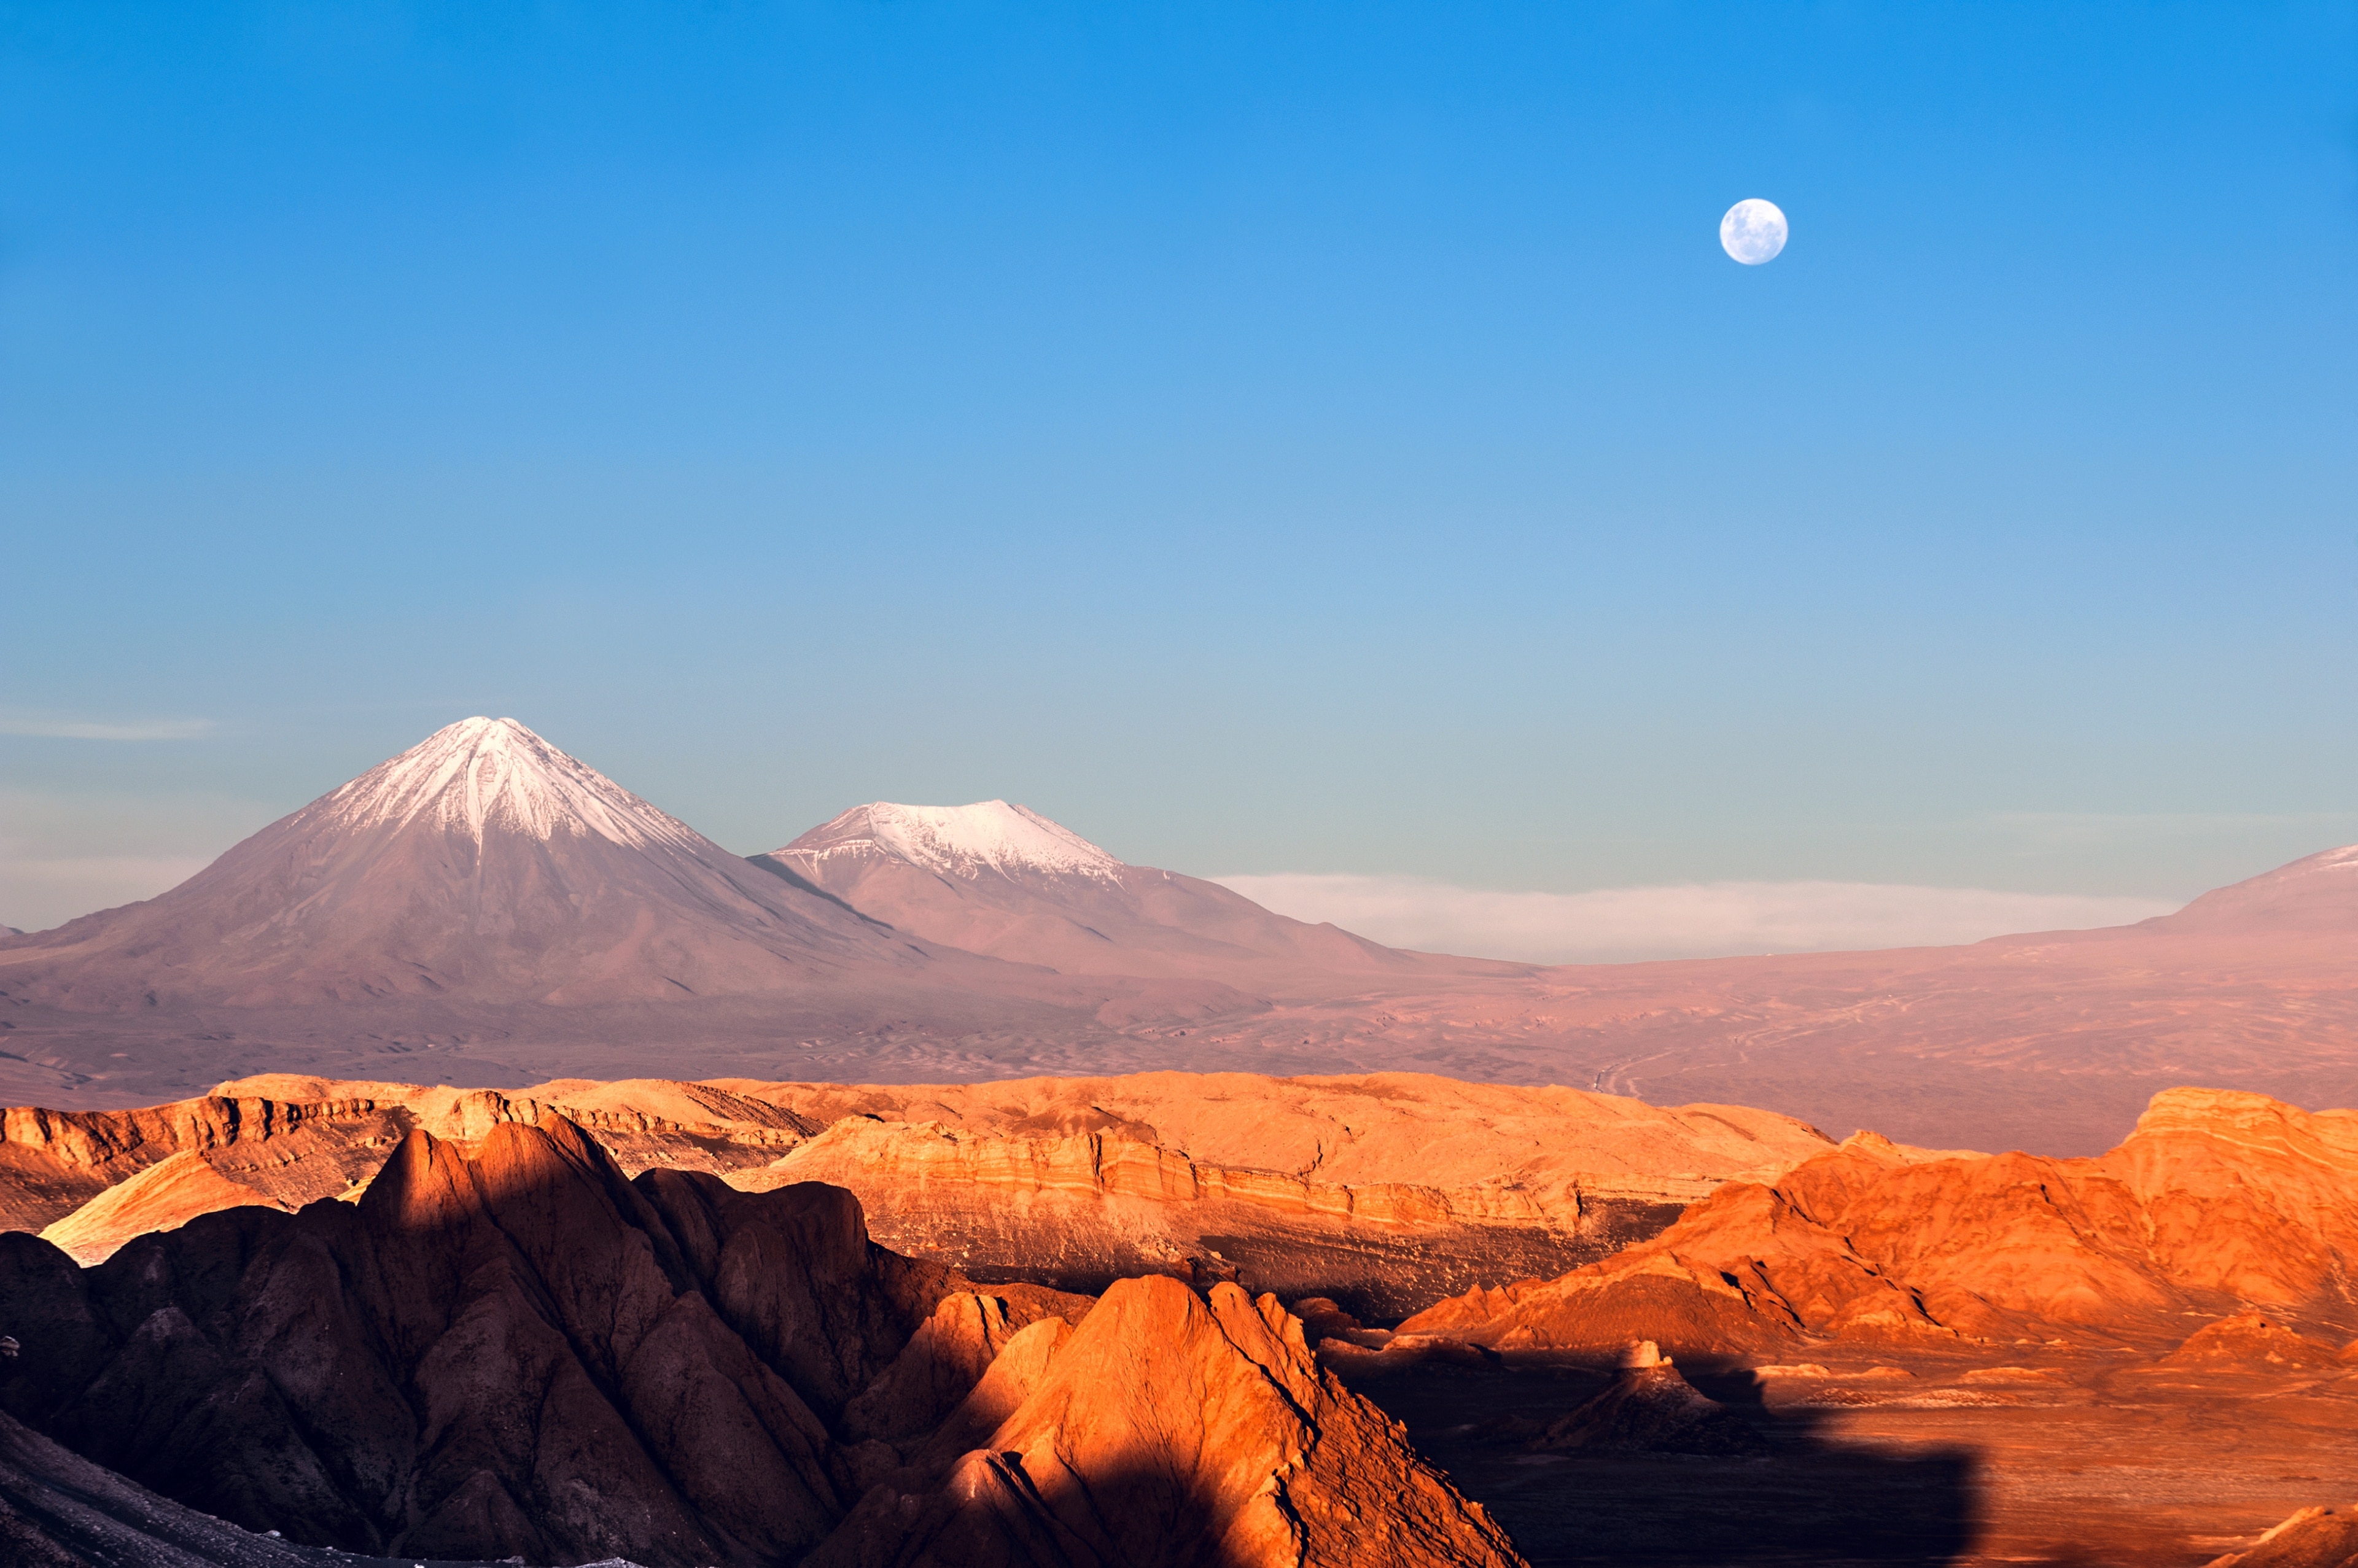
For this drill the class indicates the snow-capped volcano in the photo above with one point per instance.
(957, 842)
(1004, 881)
(494, 774)
(2316, 892)
(482, 864)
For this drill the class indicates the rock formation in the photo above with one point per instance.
(2313, 1538)
(2218, 1202)
(1395, 1189)
(290, 1140)
(2249, 1342)
(512, 1352)
(1650, 1408)
(1389, 1191)
(1170, 1428)
(163, 1196)
(59, 1510)
(511, 1349)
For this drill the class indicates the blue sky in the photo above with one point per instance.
(1294, 440)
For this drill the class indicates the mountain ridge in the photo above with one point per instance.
(482, 863)
(1005, 882)
(488, 900)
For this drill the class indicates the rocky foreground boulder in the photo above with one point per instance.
(508, 1349)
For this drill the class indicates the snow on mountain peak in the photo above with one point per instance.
(960, 840)
(494, 773)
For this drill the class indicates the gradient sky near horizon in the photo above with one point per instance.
(1311, 440)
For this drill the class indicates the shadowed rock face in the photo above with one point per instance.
(515, 1352)
(59, 1510)
(1650, 1410)
(511, 1350)
(2218, 1201)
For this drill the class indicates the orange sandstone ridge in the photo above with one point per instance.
(2217, 1204)
(1389, 1191)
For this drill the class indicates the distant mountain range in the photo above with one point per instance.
(1004, 880)
(484, 909)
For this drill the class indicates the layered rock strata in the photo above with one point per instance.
(1388, 1192)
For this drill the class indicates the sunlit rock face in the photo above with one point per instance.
(1175, 1429)
(2217, 1203)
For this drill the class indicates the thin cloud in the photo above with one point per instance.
(91, 730)
(1705, 920)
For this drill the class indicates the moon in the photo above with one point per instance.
(1753, 232)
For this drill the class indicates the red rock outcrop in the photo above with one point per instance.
(2313, 1538)
(1391, 1191)
(289, 1139)
(511, 1349)
(53, 1162)
(59, 1510)
(1395, 1188)
(1174, 1430)
(2249, 1343)
(2219, 1202)
(163, 1196)
(514, 1351)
